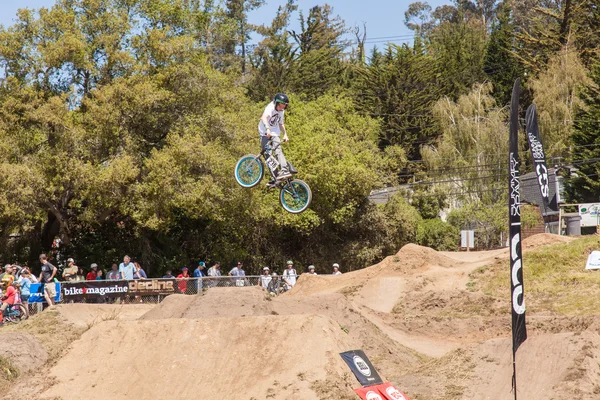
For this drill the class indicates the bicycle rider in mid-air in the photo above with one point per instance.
(270, 127)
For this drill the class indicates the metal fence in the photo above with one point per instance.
(151, 291)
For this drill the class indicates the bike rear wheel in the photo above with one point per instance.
(295, 196)
(249, 171)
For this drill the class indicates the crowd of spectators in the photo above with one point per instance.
(202, 277)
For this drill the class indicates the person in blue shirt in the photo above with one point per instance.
(127, 268)
(25, 282)
(169, 275)
(199, 273)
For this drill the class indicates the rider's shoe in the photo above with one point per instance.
(283, 175)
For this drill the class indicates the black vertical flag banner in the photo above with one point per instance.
(519, 332)
(537, 152)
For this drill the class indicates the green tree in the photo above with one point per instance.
(238, 11)
(500, 65)
(274, 57)
(470, 155)
(318, 67)
(400, 87)
(459, 50)
(584, 185)
(556, 95)
(438, 235)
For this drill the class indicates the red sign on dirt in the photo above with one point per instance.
(384, 391)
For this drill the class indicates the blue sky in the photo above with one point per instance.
(384, 18)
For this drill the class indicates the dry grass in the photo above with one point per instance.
(555, 278)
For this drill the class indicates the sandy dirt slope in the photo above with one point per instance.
(83, 315)
(413, 314)
(547, 366)
(275, 357)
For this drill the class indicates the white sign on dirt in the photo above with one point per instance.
(593, 261)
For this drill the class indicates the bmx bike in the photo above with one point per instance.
(294, 195)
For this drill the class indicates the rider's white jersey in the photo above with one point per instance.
(274, 117)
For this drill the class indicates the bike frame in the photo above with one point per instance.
(284, 185)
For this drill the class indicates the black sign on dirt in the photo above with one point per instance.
(361, 367)
(94, 289)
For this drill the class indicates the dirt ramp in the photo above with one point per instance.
(84, 315)
(23, 350)
(545, 239)
(217, 302)
(268, 357)
(547, 366)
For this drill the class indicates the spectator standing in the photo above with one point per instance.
(80, 275)
(127, 268)
(70, 273)
(139, 272)
(168, 275)
(114, 273)
(265, 279)
(214, 273)
(199, 274)
(8, 270)
(238, 273)
(25, 283)
(47, 278)
(91, 276)
(290, 274)
(311, 270)
(336, 269)
(183, 277)
(31, 277)
(16, 271)
(99, 275)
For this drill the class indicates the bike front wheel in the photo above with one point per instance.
(248, 171)
(295, 196)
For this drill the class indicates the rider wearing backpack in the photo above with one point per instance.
(270, 128)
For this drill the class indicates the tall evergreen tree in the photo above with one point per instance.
(584, 185)
(400, 87)
(500, 65)
(320, 43)
(238, 11)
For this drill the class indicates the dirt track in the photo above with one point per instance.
(411, 314)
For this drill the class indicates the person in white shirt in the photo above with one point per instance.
(265, 279)
(270, 127)
(336, 269)
(311, 270)
(289, 274)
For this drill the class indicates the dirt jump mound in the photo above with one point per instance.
(274, 357)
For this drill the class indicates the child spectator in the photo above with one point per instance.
(265, 279)
(91, 276)
(8, 299)
(25, 282)
(336, 269)
(183, 276)
(99, 275)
